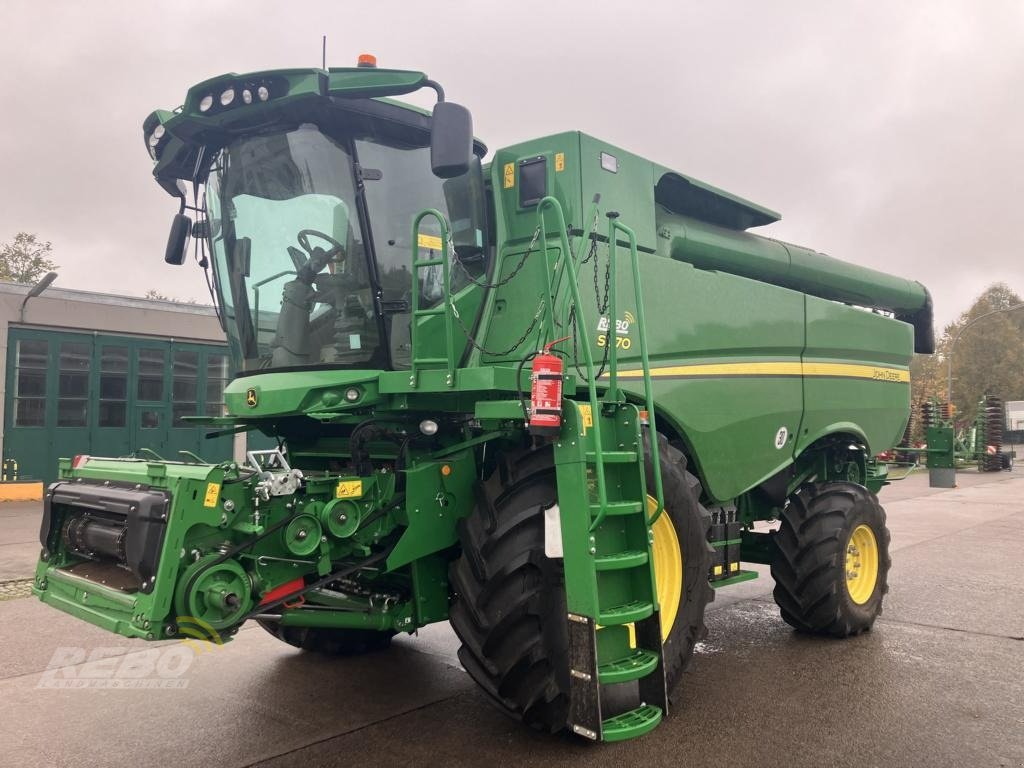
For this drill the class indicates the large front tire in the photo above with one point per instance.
(510, 607)
(832, 560)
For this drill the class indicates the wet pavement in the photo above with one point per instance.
(939, 682)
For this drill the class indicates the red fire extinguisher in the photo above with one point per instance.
(546, 393)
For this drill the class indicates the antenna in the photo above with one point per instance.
(324, 55)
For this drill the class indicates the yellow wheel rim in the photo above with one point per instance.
(668, 567)
(861, 564)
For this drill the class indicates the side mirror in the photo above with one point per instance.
(451, 140)
(177, 241)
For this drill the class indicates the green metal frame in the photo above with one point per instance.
(445, 308)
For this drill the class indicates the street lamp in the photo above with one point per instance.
(36, 289)
(952, 346)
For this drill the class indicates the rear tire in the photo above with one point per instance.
(332, 642)
(510, 607)
(817, 588)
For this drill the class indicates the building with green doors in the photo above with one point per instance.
(98, 374)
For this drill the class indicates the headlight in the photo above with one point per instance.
(263, 93)
(352, 394)
(206, 103)
(428, 427)
(158, 132)
(227, 97)
(247, 96)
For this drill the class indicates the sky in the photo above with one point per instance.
(886, 134)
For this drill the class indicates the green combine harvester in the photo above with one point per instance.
(550, 399)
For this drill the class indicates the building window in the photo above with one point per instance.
(151, 374)
(216, 380)
(30, 383)
(184, 389)
(113, 387)
(73, 384)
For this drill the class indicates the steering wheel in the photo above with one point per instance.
(308, 269)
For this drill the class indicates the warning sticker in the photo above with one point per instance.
(559, 162)
(212, 494)
(349, 489)
(586, 418)
(510, 175)
(429, 241)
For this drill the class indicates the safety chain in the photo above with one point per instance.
(503, 281)
(575, 349)
(590, 254)
(510, 350)
(600, 301)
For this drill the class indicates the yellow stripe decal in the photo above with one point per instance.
(834, 370)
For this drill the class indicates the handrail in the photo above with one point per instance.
(552, 203)
(614, 225)
(418, 264)
(563, 270)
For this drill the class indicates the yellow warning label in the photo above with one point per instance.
(586, 418)
(718, 570)
(510, 175)
(733, 567)
(429, 241)
(559, 162)
(349, 489)
(212, 494)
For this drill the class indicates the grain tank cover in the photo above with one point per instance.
(704, 226)
(690, 197)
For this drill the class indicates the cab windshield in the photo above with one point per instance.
(311, 236)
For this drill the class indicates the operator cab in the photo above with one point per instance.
(310, 183)
(310, 229)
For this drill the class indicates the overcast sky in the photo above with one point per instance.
(887, 134)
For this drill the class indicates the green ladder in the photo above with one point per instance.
(606, 520)
(448, 362)
(609, 576)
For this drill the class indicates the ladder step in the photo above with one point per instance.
(613, 508)
(613, 457)
(619, 560)
(429, 312)
(631, 724)
(636, 610)
(638, 664)
(430, 361)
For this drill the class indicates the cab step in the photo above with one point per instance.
(619, 560)
(629, 725)
(614, 457)
(627, 613)
(615, 508)
(638, 664)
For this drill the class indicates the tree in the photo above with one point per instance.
(988, 358)
(152, 293)
(26, 259)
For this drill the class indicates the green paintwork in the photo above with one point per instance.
(739, 348)
(739, 578)
(708, 246)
